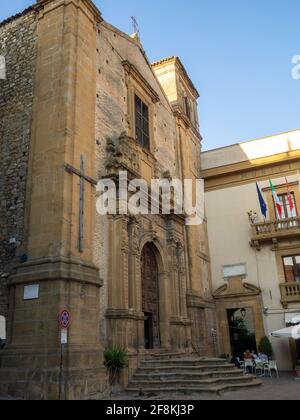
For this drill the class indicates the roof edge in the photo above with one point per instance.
(177, 61)
(250, 141)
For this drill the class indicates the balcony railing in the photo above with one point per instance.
(290, 293)
(275, 230)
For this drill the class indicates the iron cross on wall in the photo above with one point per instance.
(83, 178)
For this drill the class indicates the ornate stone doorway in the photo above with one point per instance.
(234, 300)
(150, 297)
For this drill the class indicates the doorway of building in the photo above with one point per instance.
(242, 331)
(150, 297)
(298, 351)
(2, 331)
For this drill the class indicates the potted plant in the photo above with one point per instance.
(115, 359)
(265, 347)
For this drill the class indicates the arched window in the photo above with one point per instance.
(2, 67)
(2, 328)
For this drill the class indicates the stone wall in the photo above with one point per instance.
(18, 46)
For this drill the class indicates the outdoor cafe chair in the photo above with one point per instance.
(249, 364)
(260, 366)
(272, 366)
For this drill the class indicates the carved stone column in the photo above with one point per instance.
(134, 265)
(165, 297)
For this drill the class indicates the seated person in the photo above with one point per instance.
(236, 361)
(254, 355)
(248, 355)
(263, 357)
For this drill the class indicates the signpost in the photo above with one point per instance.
(64, 319)
(64, 323)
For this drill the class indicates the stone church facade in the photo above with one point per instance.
(80, 103)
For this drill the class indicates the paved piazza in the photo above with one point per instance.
(285, 388)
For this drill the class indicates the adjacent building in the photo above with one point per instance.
(255, 260)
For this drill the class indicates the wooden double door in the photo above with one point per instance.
(150, 297)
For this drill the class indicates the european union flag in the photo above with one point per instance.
(263, 204)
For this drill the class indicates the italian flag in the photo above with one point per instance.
(276, 201)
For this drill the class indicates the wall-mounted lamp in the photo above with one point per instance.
(243, 313)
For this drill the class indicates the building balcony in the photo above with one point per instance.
(274, 231)
(290, 293)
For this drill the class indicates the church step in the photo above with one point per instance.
(166, 363)
(185, 375)
(184, 360)
(178, 389)
(188, 374)
(184, 368)
(189, 382)
(167, 355)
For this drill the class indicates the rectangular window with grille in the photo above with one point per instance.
(142, 129)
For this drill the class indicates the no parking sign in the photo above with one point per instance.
(64, 319)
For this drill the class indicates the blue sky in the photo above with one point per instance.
(238, 54)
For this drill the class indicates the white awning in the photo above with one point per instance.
(292, 318)
(291, 332)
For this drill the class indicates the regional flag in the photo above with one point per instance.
(290, 198)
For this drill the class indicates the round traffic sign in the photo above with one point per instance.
(64, 319)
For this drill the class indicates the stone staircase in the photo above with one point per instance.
(187, 374)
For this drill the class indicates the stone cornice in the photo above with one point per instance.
(131, 70)
(182, 70)
(125, 314)
(40, 4)
(248, 290)
(241, 174)
(181, 117)
(195, 300)
(95, 12)
(56, 269)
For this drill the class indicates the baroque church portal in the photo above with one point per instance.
(89, 106)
